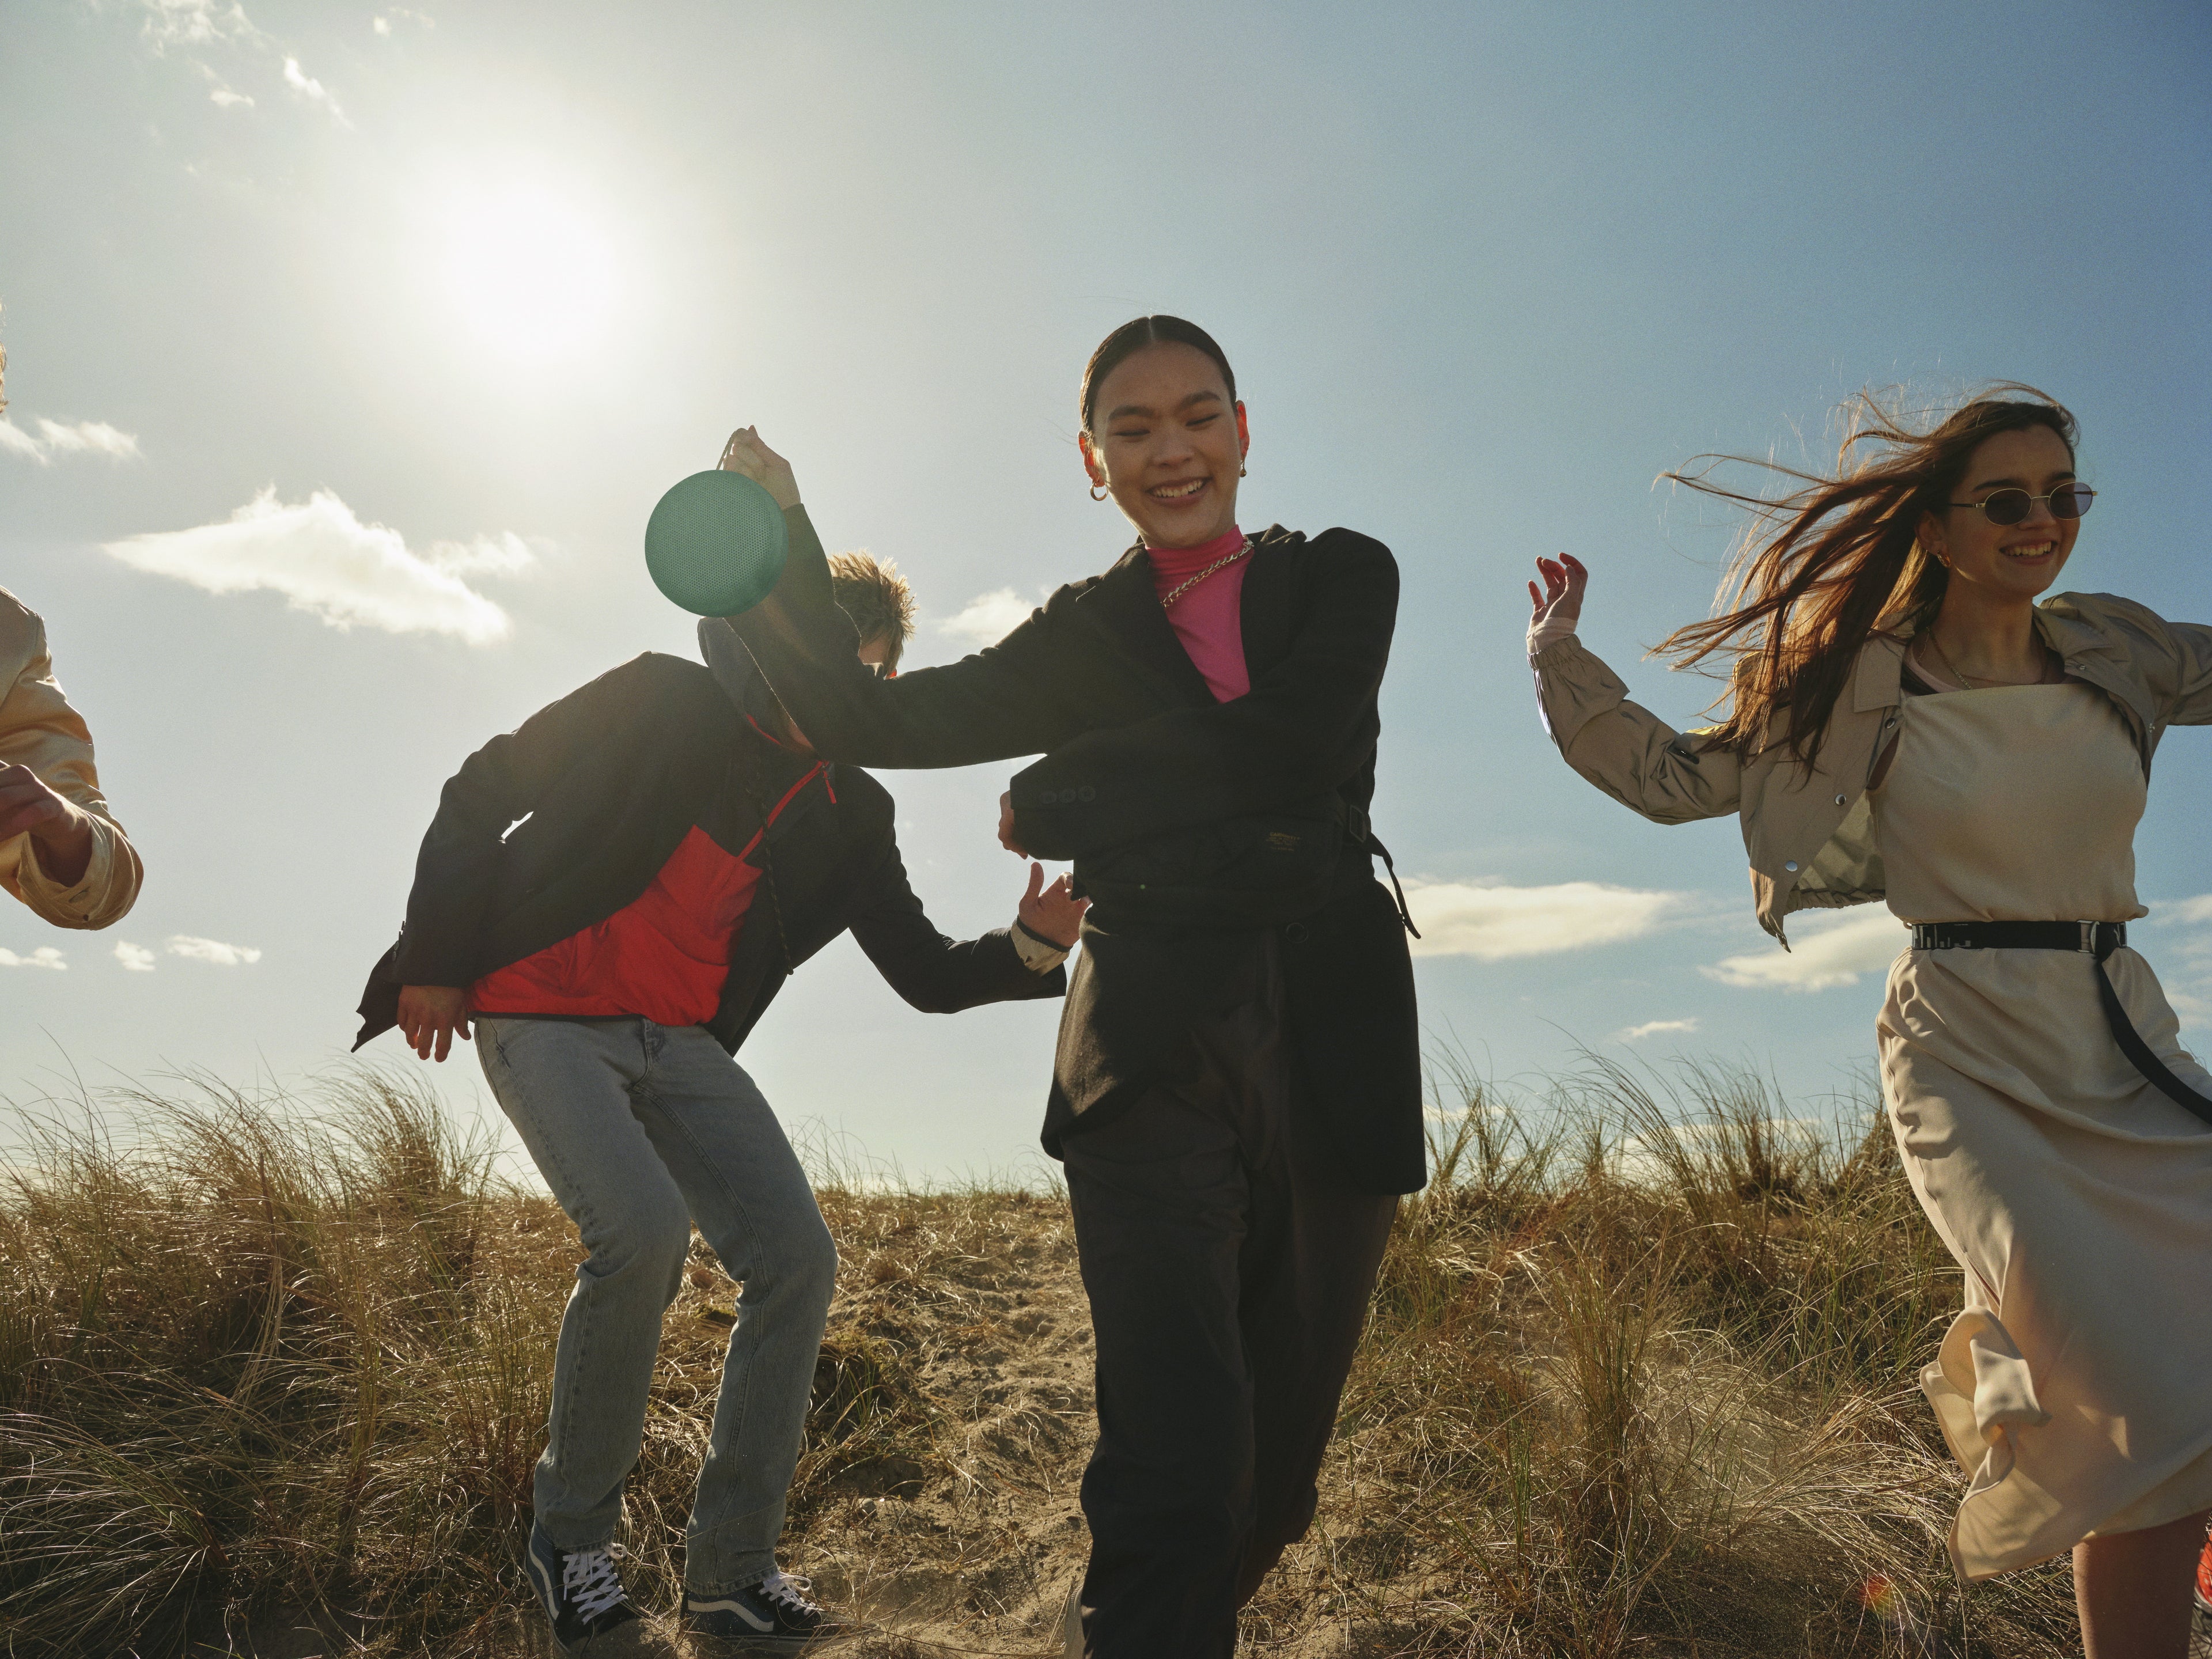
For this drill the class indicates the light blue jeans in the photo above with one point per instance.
(640, 1129)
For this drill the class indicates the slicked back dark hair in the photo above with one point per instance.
(1133, 336)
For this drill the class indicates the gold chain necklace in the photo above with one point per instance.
(1965, 680)
(1222, 562)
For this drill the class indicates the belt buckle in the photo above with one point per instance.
(2089, 936)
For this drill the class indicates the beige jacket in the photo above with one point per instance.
(1811, 836)
(39, 730)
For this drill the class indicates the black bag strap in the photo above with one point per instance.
(2138, 1052)
(1374, 844)
(2100, 940)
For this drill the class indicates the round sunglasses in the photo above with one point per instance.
(2010, 507)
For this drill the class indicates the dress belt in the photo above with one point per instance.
(2098, 939)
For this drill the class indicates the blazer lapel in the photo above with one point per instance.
(1265, 608)
(1124, 603)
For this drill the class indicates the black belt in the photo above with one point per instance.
(2098, 939)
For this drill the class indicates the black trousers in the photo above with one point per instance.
(1229, 1272)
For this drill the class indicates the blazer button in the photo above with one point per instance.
(1792, 866)
(1086, 793)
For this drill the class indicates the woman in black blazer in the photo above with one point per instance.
(1236, 1093)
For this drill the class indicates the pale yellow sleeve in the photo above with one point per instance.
(39, 730)
(1625, 748)
(1039, 955)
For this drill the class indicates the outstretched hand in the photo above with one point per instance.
(1561, 597)
(746, 453)
(1053, 912)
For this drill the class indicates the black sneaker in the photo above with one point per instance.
(773, 1614)
(583, 1596)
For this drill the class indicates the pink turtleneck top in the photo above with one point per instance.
(1207, 619)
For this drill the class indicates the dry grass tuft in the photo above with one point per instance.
(1638, 1380)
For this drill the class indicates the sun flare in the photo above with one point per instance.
(528, 266)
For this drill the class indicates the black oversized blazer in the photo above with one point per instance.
(1135, 744)
(609, 781)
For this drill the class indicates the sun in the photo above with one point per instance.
(528, 265)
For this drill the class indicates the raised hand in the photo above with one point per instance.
(746, 453)
(1053, 912)
(432, 1014)
(1561, 597)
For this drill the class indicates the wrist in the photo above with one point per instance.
(1043, 939)
(71, 833)
(64, 846)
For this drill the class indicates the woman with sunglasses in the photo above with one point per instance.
(1236, 1094)
(1907, 722)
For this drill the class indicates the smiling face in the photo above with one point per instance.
(2014, 561)
(1168, 444)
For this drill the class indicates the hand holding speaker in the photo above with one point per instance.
(716, 542)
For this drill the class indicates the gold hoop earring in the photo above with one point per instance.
(1096, 493)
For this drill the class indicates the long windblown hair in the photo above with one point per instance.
(1823, 566)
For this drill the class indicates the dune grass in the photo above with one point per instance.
(1638, 1379)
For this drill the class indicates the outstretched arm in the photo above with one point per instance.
(1621, 747)
(940, 976)
(2192, 671)
(1307, 725)
(995, 704)
(71, 862)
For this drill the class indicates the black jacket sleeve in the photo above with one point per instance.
(456, 871)
(934, 974)
(1308, 725)
(1000, 702)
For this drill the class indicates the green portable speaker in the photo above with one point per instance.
(716, 543)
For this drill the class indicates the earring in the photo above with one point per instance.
(1242, 473)
(1096, 493)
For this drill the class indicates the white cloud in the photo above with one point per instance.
(989, 618)
(2184, 957)
(383, 26)
(135, 958)
(45, 956)
(212, 950)
(195, 22)
(312, 90)
(1827, 951)
(1654, 1028)
(69, 438)
(1494, 921)
(230, 99)
(327, 562)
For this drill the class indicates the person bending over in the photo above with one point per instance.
(1236, 1095)
(611, 895)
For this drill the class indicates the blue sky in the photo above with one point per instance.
(439, 299)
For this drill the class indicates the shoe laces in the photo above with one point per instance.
(788, 1590)
(591, 1582)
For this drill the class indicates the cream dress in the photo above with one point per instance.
(2075, 1389)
